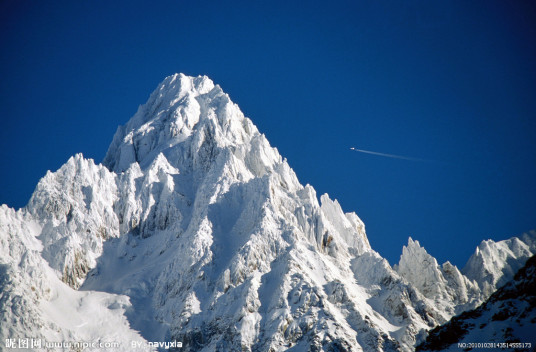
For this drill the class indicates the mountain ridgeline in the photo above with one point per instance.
(194, 229)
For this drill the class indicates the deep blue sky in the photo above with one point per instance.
(453, 82)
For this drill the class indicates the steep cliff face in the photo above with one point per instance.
(196, 230)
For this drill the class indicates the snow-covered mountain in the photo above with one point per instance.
(495, 263)
(505, 321)
(454, 291)
(41, 313)
(443, 285)
(194, 229)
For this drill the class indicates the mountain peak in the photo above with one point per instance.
(443, 284)
(181, 109)
(415, 261)
(494, 263)
(196, 230)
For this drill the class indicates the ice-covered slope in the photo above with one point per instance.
(195, 229)
(506, 321)
(38, 309)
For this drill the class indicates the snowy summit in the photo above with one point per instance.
(194, 229)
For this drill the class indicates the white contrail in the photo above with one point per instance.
(390, 155)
